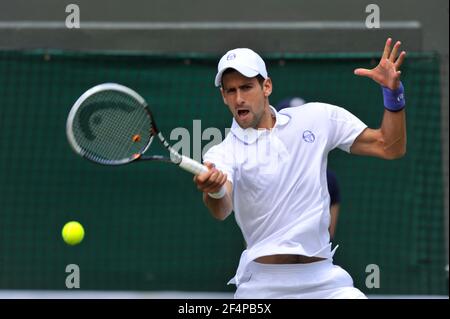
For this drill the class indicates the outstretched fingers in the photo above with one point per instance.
(400, 60)
(363, 72)
(387, 49)
(386, 73)
(394, 52)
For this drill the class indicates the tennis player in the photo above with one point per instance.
(273, 165)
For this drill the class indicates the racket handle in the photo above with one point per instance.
(196, 168)
(192, 166)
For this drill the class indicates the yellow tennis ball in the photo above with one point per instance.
(73, 233)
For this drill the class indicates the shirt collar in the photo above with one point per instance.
(251, 135)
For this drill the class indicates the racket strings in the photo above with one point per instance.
(112, 126)
(108, 136)
(143, 127)
(122, 143)
(121, 130)
(98, 143)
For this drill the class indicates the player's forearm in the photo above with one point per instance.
(219, 208)
(393, 130)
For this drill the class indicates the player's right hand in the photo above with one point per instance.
(210, 181)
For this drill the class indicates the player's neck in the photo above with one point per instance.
(268, 119)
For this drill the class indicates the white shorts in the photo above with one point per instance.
(318, 280)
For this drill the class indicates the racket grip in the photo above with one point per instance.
(196, 168)
(192, 166)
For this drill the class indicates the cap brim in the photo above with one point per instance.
(245, 71)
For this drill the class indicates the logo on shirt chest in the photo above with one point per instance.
(308, 136)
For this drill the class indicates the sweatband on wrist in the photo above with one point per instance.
(394, 100)
(221, 193)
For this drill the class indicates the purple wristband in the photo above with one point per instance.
(394, 100)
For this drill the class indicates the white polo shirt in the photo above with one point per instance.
(280, 195)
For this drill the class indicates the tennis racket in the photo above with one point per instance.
(111, 124)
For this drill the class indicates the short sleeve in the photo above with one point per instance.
(344, 128)
(220, 157)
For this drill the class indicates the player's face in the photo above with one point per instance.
(246, 98)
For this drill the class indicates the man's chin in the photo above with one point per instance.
(243, 125)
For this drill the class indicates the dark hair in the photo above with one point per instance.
(259, 77)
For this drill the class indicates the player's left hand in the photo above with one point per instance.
(387, 72)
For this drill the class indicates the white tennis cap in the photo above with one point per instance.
(245, 61)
